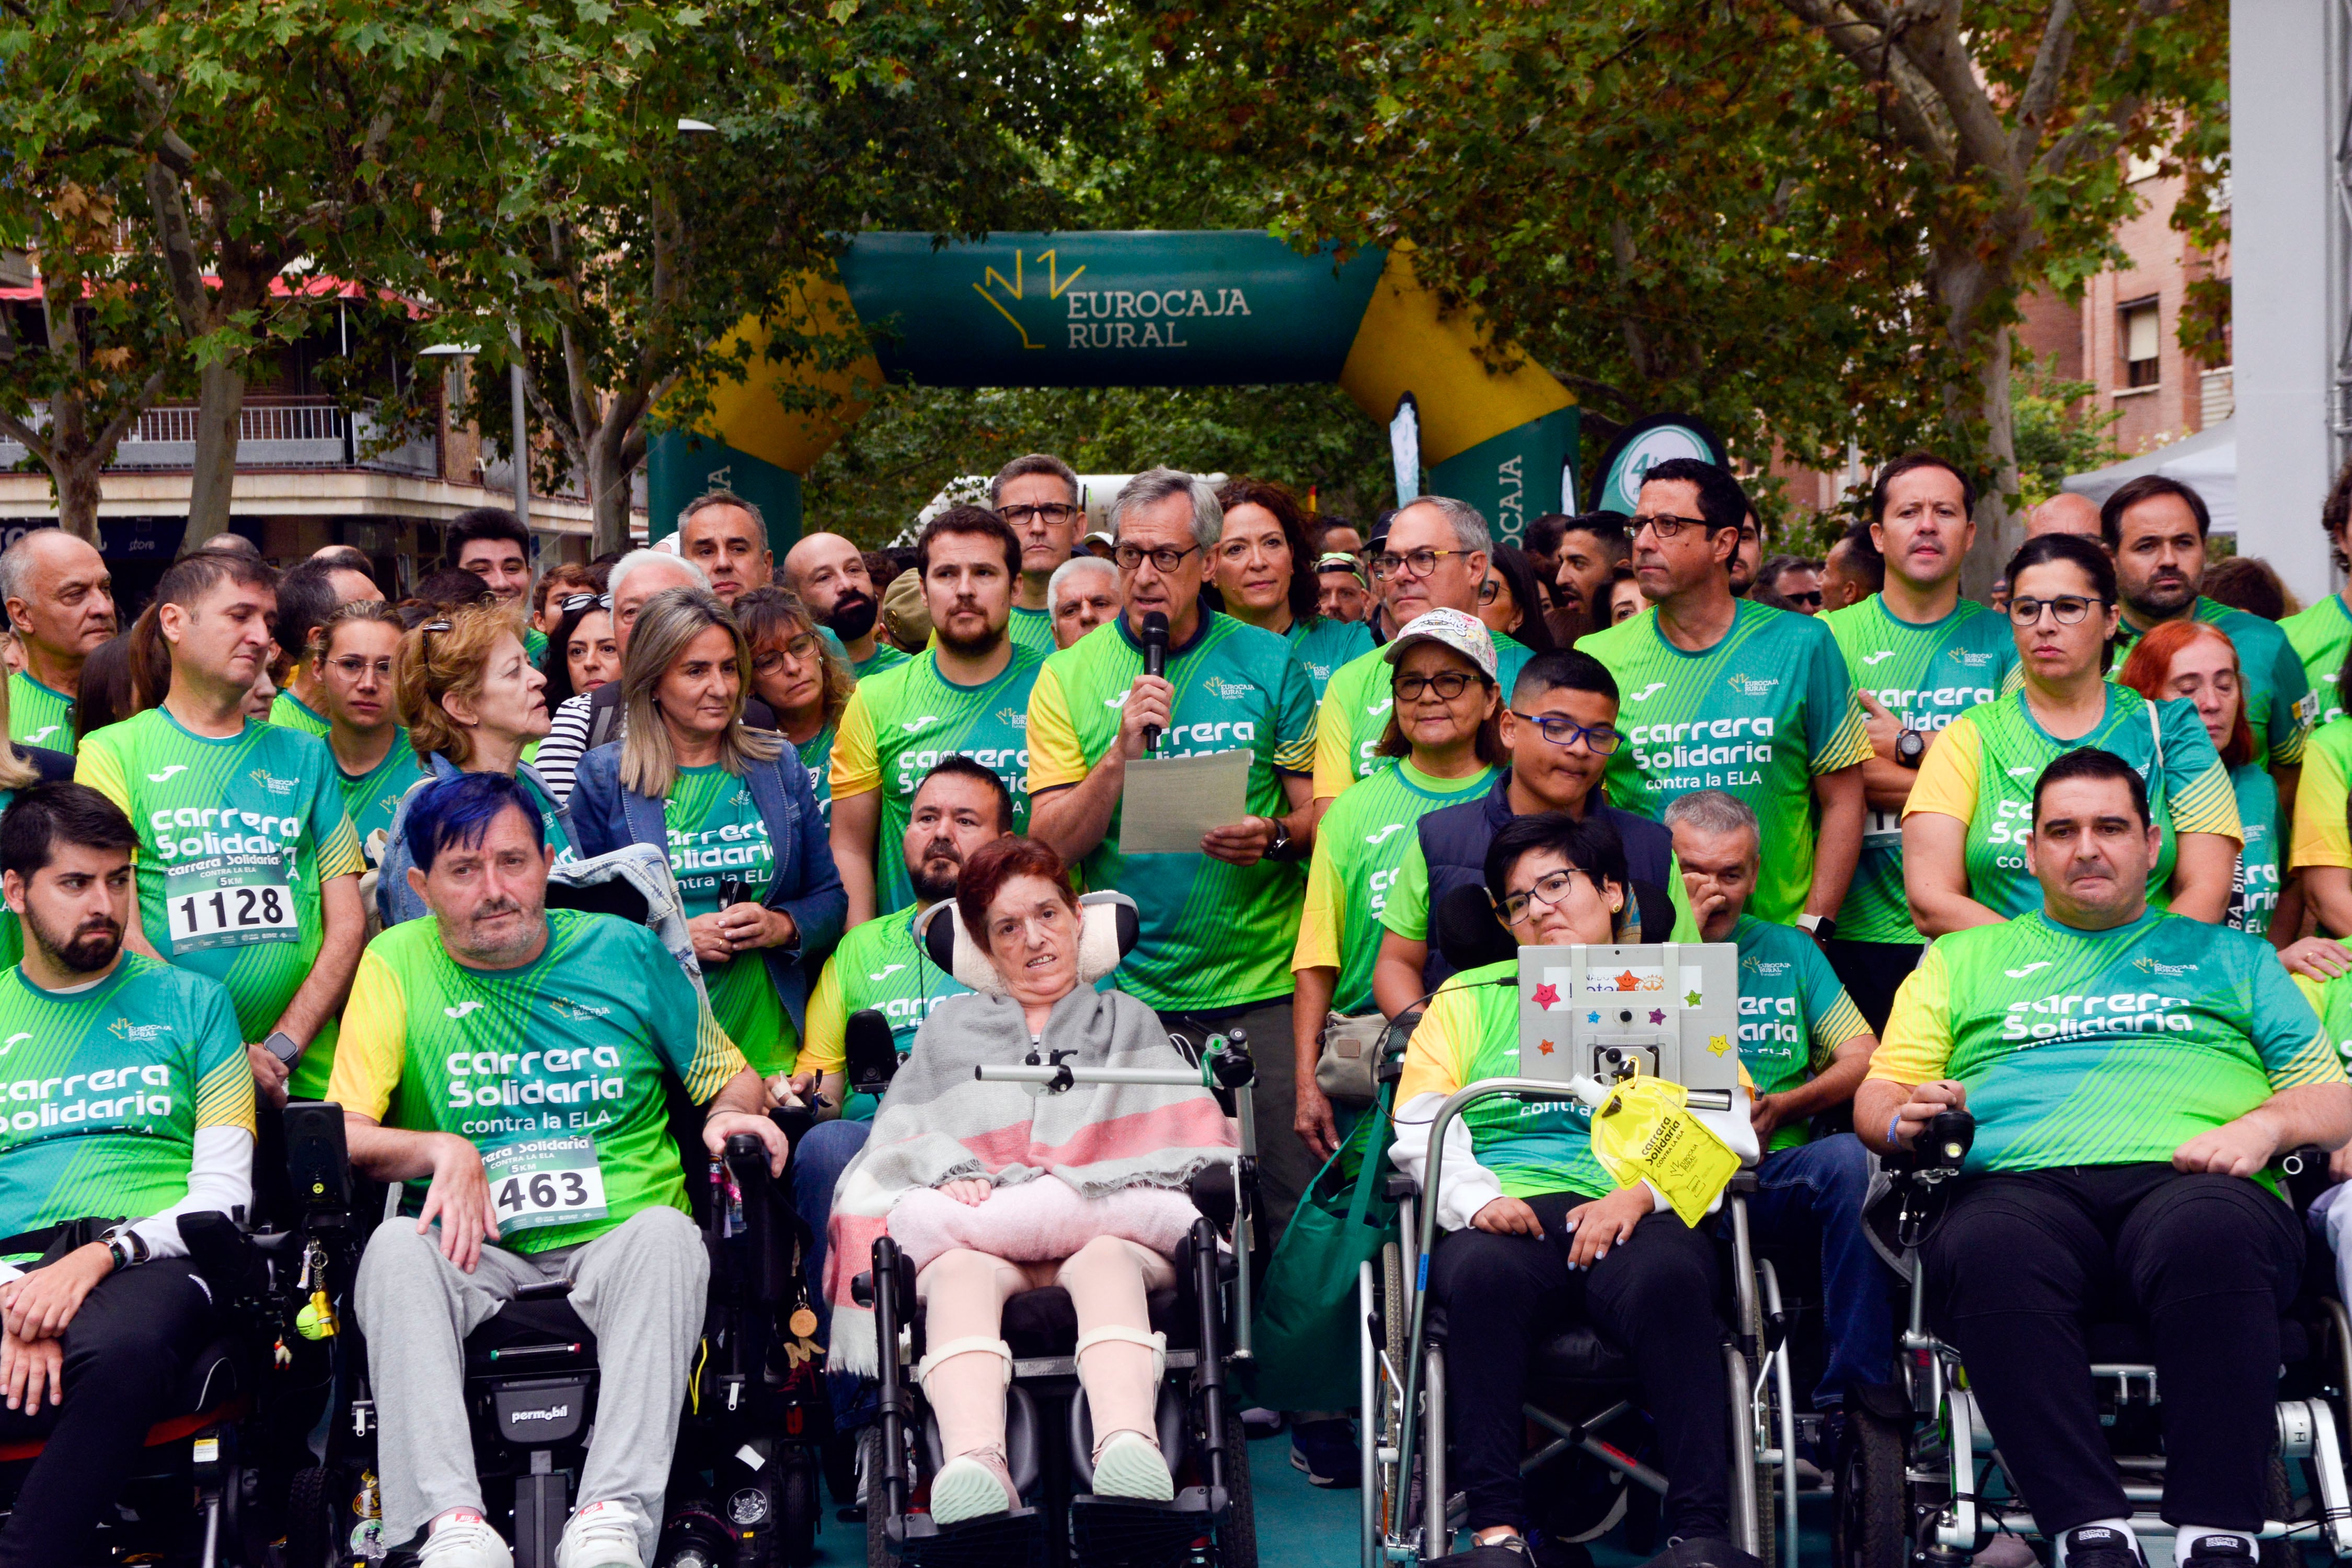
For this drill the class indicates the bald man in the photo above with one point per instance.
(829, 574)
(61, 601)
(2064, 512)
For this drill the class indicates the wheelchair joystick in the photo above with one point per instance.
(1950, 1137)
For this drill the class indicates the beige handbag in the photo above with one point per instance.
(1343, 1071)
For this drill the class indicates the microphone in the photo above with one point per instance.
(1155, 664)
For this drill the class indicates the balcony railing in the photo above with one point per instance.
(270, 435)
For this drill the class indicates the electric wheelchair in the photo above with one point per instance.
(1920, 1477)
(1583, 1388)
(1049, 1439)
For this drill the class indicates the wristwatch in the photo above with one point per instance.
(1820, 928)
(1909, 747)
(1280, 849)
(126, 1246)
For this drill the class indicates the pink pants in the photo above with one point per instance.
(964, 1294)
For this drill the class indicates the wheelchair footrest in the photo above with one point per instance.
(1015, 1540)
(1125, 1533)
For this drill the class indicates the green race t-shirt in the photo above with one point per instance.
(2254, 891)
(881, 965)
(291, 712)
(534, 647)
(38, 716)
(886, 656)
(1363, 842)
(1323, 645)
(1213, 934)
(2278, 692)
(903, 721)
(554, 1070)
(371, 797)
(1924, 675)
(103, 1090)
(1759, 715)
(716, 835)
(1794, 1012)
(2105, 1047)
(2319, 636)
(1353, 714)
(817, 758)
(1032, 629)
(235, 835)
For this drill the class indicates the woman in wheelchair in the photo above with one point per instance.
(993, 1189)
(1540, 1232)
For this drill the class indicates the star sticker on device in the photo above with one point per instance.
(1543, 1048)
(1629, 981)
(1657, 1015)
(1691, 1000)
(1546, 996)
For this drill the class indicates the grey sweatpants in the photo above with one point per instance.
(641, 1287)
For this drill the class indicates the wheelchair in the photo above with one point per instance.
(1583, 1390)
(1920, 1476)
(1049, 1439)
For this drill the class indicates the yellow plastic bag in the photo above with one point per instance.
(1643, 1131)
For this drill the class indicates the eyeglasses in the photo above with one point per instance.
(1600, 739)
(1051, 511)
(1549, 890)
(1490, 590)
(1165, 559)
(1812, 598)
(1413, 563)
(772, 659)
(2068, 609)
(575, 603)
(351, 666)
(1664, 524)
(1448, 685)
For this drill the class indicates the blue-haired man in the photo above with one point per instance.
(512, 1060)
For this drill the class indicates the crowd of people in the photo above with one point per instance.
(2052, 859)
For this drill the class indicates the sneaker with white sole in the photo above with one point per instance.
(1131, 1466)
(462, 1539)
(971, 1486)
(601, 1535)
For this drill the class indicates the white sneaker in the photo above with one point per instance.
(462, 1539)
(971, 1486)
(1131, 1466)
(601, 1535)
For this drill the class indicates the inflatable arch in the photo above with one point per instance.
(1138, 308)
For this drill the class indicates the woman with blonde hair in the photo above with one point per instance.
(732, 808)
(472, 702)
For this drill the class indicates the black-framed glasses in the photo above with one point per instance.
(575, 603)
(1448, 684)
(1600, 739)
(2067, 609)
(1490, 590)
(1412, 562)
(1052, 513)
(1549, 890)
(1664, 524)
(1164, 559)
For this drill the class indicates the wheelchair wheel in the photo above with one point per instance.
(2278, 1502)
(1396, 1319)
(797, 1505)
(878, 1535)
(1237, 1536)
(313, 1520)
(1867, 1530)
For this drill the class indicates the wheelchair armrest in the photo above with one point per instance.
(1389, 1067)
(1213, 1194)
(223, 1256)
(544, 1291)
(2304, 1172)
(1743, 1182)
(318, 1159)
(870, 1052)
(1399, 1187)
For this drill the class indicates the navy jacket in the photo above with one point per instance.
(805, 886)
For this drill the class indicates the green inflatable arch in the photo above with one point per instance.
(1139, 308)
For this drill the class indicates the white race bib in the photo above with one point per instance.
(1882, 830)
(230, 916)
(545, 1181)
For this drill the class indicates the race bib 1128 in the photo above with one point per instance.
(231, 915)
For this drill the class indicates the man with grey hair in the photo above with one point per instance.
(1083, 594)
(1435, 558)
(1038, 495)
(60, 601)
(725, 535)
(1218, 923)
(1807, 1047)
(582, 723)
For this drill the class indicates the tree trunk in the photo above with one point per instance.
(607, 473)
(77, 494)
(1999, 530)
(220, 406)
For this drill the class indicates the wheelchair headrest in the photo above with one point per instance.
(613, 897)
(1467, 932)
(1107, 932)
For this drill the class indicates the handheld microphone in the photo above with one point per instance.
(1155, 664)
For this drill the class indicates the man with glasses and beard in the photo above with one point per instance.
(155, 1121)
(829, 573)
(1038, 496)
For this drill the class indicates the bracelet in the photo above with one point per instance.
(1892, 1122)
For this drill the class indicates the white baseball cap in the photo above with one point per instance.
(1465, 635)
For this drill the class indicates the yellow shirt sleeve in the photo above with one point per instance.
(374, 1044)
(1849, 747)
(2209, 804)
(2320, 835)
(1949, 774)
(1335, 762)
(1324, 916)
(339, 856)
(1055, 757)
(824, 1044)
(96, 765)
(855, 768)
(1918, 1039)
(1445, 1038)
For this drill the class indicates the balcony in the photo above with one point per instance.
(271, 434)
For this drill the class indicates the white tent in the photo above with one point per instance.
(2206, 462)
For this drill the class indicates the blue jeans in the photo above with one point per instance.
(1818, 1188)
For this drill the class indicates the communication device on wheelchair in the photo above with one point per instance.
(1668, 1009)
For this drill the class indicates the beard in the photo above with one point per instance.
(468, 939)
(86, 950)
(2165, 597)
(971, 648)
(852, 616)
(937, 887)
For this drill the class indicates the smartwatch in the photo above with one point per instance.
(1280, 849)
(1909, 747)
(1820, 928)
(281, 1045)
(126, 1247)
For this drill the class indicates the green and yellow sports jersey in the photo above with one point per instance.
(1354, 713)
(38, 716)
(1406, 912)
(2333, 1003)
(106, 1089)
(2319, 636)
(1471, 1031)
(534, 647)
(1214, 935)
(554, 1070)
(235, 838)
(2110, 1047)
(291, 712)
(1794, 1012)
(1032, 629)
(2279, 698)
(900, 723)
(817, 758)
(2254, 891)
(1323, 645)
(1983, 772)
(12, 931)
(1361, 845)
(2319, 837)
(371, 798)
(1924, 675)
(886, 656)
(879, 965)
(1759, 715)
(717, 836)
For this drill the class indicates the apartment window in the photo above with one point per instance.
(2139, 333)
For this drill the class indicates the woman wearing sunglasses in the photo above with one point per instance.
(1260, 566)
(1971, 811)
(804, 681)
(581, 652)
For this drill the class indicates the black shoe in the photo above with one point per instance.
(2222, 1552)
(1326, 1451)
(1703, 1552)
(2101, 1546)
(1511, 1552)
